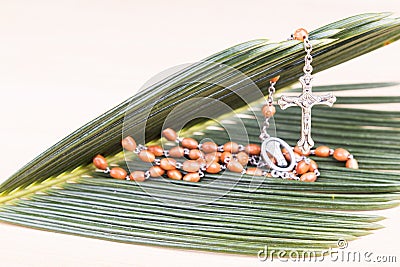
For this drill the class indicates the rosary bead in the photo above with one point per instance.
(146, 156)
(137, 176)
(118, 173)
(268, 111)
(192, 177)
(168, 164)
(253, 149)
(234, 166)
(190, 143)
(285, 154)
(242, 158)
(156, 150)
(213, 167)
(212, 157)
(299, 151)
(231, 147)
(195, 154)
(341, 154)
(300, 34)
(308, 177)
(302, 167)
(156, 171)
(100, 162)
(322, 151)
(254, 171)
(174, 174)
(170, 134)
(352, 164)
(275, 79)
(128, 143)
(313, 165)
(176, 152)
(191, 166)
(226, 156)
(209, 147)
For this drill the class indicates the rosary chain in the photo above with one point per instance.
(271, 92)
(308, 58)
(264, 130)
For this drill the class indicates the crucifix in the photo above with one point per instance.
(306, 101)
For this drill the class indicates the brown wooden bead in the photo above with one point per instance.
(213, 167)
(100, 162)
(313, 165)
(308, 177)
(156, 150)
(234, 166)
(118, 173)
(191, 166)
(275, 79)
(212, 157)
(192, 177)
(300, 34)
(170, 134)
(137, 176)
(352, 164)
(176, 152)
(128, 143)
(341, 154)
(285, 154)
(146, 156)
(174, 174)
(156, 171)
(254, 171)
(242, 158)
(195, 154)
(190, 143)
(231, 147)
(302, 167)
(299, 151)
(168, 164)
(253, 149)
(226, 156)
(268, 111)
(322, 151)
(209, 147)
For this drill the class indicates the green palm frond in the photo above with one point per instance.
(60, 190)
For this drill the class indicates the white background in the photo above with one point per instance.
(62, 63)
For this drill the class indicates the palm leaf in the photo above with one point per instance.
(60, 191)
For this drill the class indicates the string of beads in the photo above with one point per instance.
(209, 157)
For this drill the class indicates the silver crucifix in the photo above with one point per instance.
(306, 101)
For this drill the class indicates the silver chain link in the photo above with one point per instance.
(264, 133)
(271, 92)
(270, 100)
(307, 69)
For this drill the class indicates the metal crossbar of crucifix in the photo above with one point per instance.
(306, 101)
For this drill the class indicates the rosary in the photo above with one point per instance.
(189, 160)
